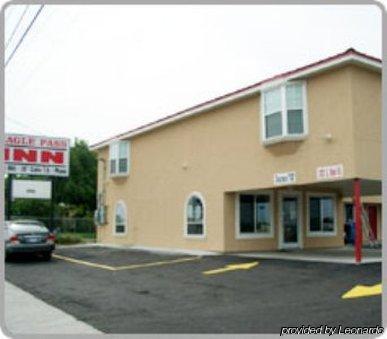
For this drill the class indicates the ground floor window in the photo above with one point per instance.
(255, 214)
(120, 218)
(195, 215)
(322, 214)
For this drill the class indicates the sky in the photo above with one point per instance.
(91, 72)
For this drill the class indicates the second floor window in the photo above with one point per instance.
(284, 113)
(119, 158)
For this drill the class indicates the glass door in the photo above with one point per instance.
(290, 221)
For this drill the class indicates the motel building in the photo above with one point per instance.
(280, 164)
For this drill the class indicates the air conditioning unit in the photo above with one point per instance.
(100, 216)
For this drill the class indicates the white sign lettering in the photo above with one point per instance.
(32, 189)
(330, 172)
(284, 178)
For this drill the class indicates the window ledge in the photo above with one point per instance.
(119, 175)
(247, 236)
(286, 138)
(195, 237)
(321, 234)
(120, 234)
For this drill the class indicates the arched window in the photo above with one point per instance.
(120, 218)
(195, 216)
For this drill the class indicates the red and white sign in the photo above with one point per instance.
(330, 172)
(36, 155)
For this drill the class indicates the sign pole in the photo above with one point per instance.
(52, 205)
(9, 197)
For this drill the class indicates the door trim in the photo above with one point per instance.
(373, 206)
(300, 235)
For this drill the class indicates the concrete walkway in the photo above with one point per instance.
(343, 255)
(26, 314)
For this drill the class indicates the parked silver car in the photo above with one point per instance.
(28, 236)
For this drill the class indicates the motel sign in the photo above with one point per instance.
(36, 155)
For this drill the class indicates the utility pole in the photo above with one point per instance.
(9, 197)
(52, 204)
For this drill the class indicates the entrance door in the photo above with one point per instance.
(290, 217)
(373, 219)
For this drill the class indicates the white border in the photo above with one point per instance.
(284, 116)
(114, 219)
(185, 224)
(299, 243)
(242, 236)
(316, 234)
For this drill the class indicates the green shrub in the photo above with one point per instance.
(68, 239)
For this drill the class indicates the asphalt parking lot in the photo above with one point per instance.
(132, 291)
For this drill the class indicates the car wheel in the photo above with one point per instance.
(47, 255)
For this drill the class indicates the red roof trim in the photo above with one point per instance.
(278, 76)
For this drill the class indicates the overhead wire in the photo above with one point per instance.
(21, 124)
(24, 35)
(15, 29)
(36, 15)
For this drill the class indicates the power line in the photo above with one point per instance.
(16, 26)
(15, 121)
(24, 35)
(21, 124)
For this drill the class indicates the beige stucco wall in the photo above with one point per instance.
(220, 152)
(367, 122)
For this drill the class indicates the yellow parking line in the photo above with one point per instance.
(157, 263)
(127, 267)
(82, 262)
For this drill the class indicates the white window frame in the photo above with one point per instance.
(284, 115)
(254, 235)
(195, 236)
(128, 152)
(312, 234)
(115, 233)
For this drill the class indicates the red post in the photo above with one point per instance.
(358, 228)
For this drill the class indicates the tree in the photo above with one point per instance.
(79, 190)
